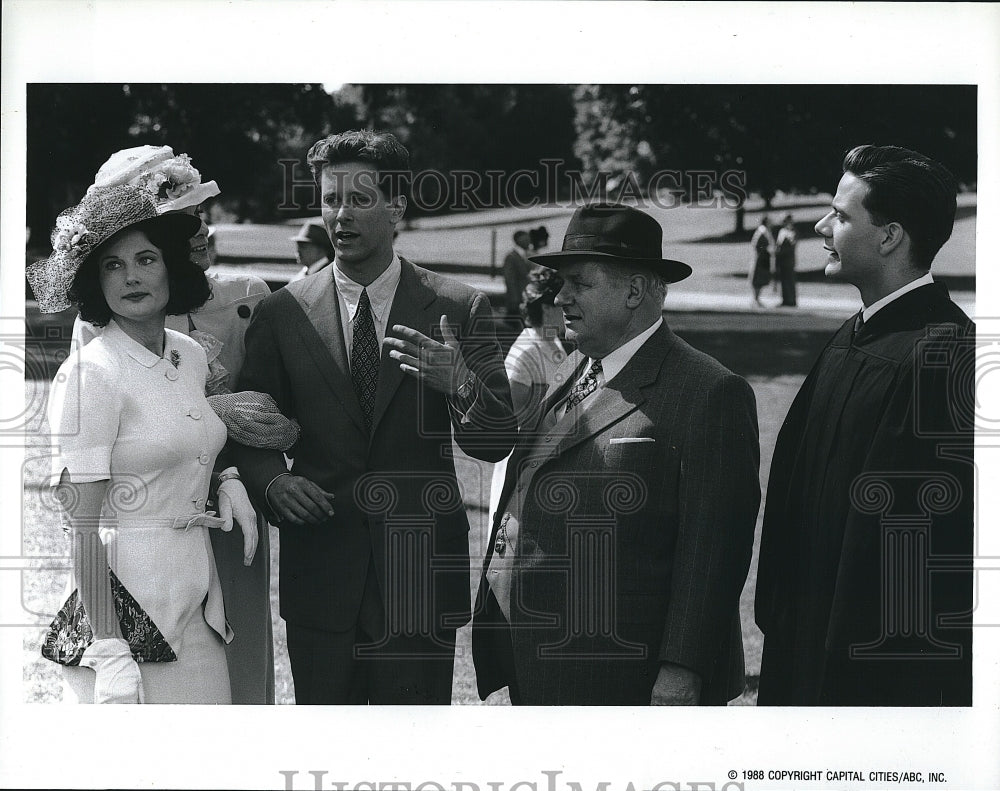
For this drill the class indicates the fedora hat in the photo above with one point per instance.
(616, 234)
(81, 229)
(313, 231)
(171, 180)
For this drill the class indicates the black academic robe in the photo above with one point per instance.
(864, 588)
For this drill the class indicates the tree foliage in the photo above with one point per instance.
(248, 136)
(787, 137)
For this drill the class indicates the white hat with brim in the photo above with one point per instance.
(171, 180)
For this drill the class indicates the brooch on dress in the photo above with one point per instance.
(175, 358)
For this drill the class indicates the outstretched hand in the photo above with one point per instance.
(439, 365)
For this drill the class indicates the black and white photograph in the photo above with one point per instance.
(451, 408)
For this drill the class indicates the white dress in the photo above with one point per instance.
(120, 413)
(223, 320)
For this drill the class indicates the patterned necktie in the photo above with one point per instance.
(859, 322)
(585, 386)
(364, 357)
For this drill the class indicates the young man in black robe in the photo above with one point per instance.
(864, 589)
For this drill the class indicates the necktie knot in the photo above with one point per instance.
(859, 322)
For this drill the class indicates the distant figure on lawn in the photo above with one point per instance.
(784, 260)
(381, 362)
(515, 272)
(864, 590)
(625, 526)
(539, 239)
(762, 244)
(313, 248)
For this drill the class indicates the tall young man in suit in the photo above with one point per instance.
(864, 590)
(625, 526)
(379, 361)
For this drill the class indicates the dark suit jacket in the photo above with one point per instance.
(397, 497)
(865, 585)
(633, 553)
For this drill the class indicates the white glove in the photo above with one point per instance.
(206, 519)
(118, 677)
(234, 503)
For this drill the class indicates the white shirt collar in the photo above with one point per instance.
(380, 291)
(613, 363)
(871, 310)
(115, 336)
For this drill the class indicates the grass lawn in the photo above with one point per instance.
(44, 542)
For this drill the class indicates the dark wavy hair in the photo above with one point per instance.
(387, 156)
(189, 288)
(907, 187)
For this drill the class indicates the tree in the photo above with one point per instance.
(780, 137)
(236, 134)
(475, 129)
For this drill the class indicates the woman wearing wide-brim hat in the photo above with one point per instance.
(137, 441)
(177, 187)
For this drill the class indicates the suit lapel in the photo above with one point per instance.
(571, 369)
(618, 397)
(323, 336)
(409, 308)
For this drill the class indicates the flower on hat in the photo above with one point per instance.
(69, 234)
(171, 178)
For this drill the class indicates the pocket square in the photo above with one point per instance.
(630, 440)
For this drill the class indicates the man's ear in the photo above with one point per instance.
(638, 287)
(893, 235)
(398, 207)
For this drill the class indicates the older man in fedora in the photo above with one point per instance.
(625, 526)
